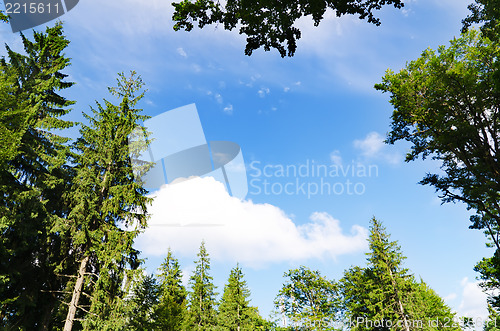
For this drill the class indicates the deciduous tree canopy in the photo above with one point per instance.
(447, 105)
(270, 24)
(487, 14)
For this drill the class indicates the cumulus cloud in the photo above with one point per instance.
(184, 214)
(473, 302)
(372, 147)
(450, 297)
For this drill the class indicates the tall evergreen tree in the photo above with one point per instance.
(172, 295)
(142, 305)
(427, 306)
(104, 198)
(384, 295)
(386, 268)
(235, 312)
(201, 313)
(33, 179)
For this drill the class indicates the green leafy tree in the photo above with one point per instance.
(33, 180)
(235, 312)
(493, 322)
(385, 296)
(489, 270)
(171, 307)
(309, 300)
(270, 24)
(105, 197)
(487, 14)
(446, 104)
(142, 305)
(201, 313)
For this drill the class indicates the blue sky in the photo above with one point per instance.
(319, 106)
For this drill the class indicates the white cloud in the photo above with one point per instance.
(263, 92)
(181, 52)
(336, 158)
(228, 109)
(186, 274)
(372, 147)
(450, 297)
(473, 303)
(286, 89)
(184, 214)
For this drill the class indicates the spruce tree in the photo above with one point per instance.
(385, 296)
(142, 305)
(201, 313)
(172, 295)
(386, 268)
(105, 197)
(235, 312)
(427, 306)
(33, 180)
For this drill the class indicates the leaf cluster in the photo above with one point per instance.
(270, 24)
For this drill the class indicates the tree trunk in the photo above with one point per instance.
(68, 325)
(398, 299)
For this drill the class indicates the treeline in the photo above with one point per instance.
(382, 295)
(161, 302)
